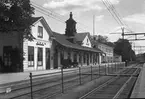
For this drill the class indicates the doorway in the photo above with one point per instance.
(55, 59)
(47, 58)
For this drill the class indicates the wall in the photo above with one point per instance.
(7, 39)
(117, 59)
(108, 51)
(86, 42)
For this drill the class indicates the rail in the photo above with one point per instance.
(109, 81)
(123, 87)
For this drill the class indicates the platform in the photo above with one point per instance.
(15, 77)
(139, 88)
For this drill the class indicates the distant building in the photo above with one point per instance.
(117, 58)
(107, 56)
(140, 57)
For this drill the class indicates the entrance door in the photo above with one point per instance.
(47, 58)
(55, 59)
(7, 58)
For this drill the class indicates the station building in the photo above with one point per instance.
(48, 50)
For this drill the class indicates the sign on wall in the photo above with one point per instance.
(40, 43)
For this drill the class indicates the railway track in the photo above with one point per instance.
(117, 87)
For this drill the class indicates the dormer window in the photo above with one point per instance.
(40, 31)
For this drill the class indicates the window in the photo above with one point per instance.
(84, 58)
(40, 56)
(69, 55)
(7, 56)
(90, 57)
(75, 57)
(30, 56)
(94, 58)
(40, 31)
(87, 42)
(80, 58)
(61, 57)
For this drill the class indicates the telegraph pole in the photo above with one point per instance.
(93, 25)
(122, 28)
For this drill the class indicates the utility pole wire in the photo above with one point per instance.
(117, 14)
(56, 15)
(111, 12)
(112, 8)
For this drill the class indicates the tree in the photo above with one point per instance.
(100, 38)
(16, 16)
(123, 48)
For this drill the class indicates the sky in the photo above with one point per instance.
(132, 13)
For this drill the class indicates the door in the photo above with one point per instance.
(55, 59)
(7, 58)
(47, 58)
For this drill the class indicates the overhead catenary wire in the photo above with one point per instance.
(112, 7)
(117, 15)
(111, 13)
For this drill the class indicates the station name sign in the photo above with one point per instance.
(40, 43)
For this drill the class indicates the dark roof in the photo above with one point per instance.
(35, 19)
(80, 36)
(62, 39)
